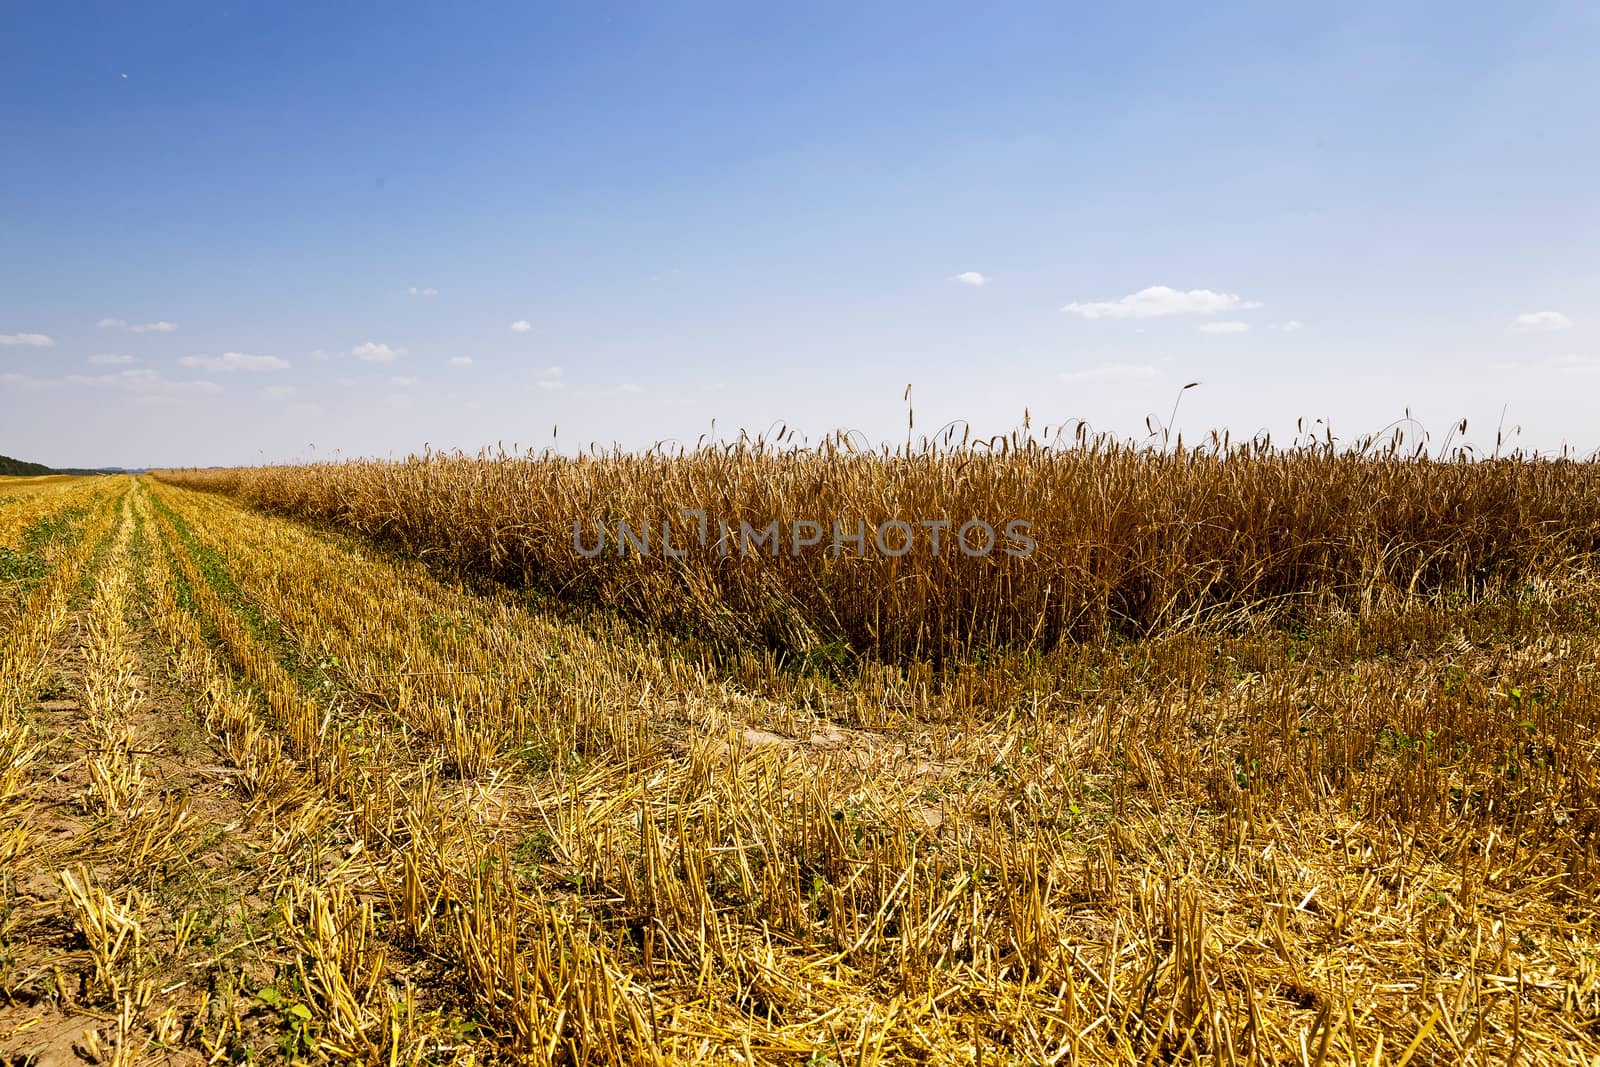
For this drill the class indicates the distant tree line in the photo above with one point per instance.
(17, 468)
(9, 466)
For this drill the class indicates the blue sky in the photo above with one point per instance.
(242, 232)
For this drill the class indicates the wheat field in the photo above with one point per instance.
(1263, 755)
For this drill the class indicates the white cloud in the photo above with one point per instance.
(422, 291)
(970, 277)
(403, 382)
(137, 327)
(1160, 300)
(1292, 325)
(111, 361)
(33, 340)
(235, 361)
(1541, 320)
(278, 392)
(1110, 372)
(144, 382)
(461, 361)
(1224, 327)
(1566, 362)
(521, 326)
(321, 355)
(376, 352)
(629, 387)
(550, 378)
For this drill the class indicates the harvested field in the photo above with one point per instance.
(346, 766)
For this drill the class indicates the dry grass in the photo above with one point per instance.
(17, 485)
(459, 828)
(1130, 540)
